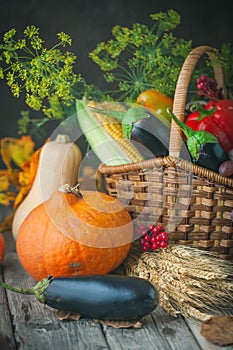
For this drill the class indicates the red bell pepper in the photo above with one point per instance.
(215, 117)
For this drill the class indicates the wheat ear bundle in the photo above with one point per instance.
(190, 281)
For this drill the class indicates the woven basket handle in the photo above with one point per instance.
(182, 90)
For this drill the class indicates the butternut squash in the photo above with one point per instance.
(58, 164)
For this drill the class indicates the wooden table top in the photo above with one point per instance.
(26, 324)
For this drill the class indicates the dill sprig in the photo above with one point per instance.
(133, 60)
(139, 58)
(46, 76)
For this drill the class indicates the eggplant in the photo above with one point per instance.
(111, 297)
(104, 297)
(211, 156)
(152, 135)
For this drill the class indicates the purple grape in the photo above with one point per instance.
(230, 154)
(226, 168)
(208, 86)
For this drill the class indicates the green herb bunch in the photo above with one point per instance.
(226, 60)
(46, 76)
(141, 58)
(134, 60)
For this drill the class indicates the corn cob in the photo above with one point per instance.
(100, 129)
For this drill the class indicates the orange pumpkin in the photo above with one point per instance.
(74, 233)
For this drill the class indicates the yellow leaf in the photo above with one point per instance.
(4, 181)
(6, 224)
(16, 150)
(19, 151)
(21, 196)
(7, 198)
(24, 178)
(30, 167)
(27, 176)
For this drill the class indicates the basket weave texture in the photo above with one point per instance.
(192, 203)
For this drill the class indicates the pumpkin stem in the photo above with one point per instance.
(38, 290)
(69, 189)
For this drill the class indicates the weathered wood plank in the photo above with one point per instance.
(159, 331)
(6, 332)
(146, 337)
(36, 325)
(175, 330)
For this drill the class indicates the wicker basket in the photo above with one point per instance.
(192, 203)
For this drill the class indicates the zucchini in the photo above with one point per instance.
(104, 297)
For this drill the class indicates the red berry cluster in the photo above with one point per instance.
(153, 238)
(208, 87)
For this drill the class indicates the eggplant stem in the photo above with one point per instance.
(16, 289)
(37, 290)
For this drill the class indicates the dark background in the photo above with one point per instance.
(90, 22)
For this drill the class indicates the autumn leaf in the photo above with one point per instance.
(31, 165)
(17, 150)
(27, 177)
(16, 180)
(4, 181)
(6, 196)
(21, 196)
(6, 224)
(15, 183)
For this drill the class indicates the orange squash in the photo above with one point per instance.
(74, 233)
